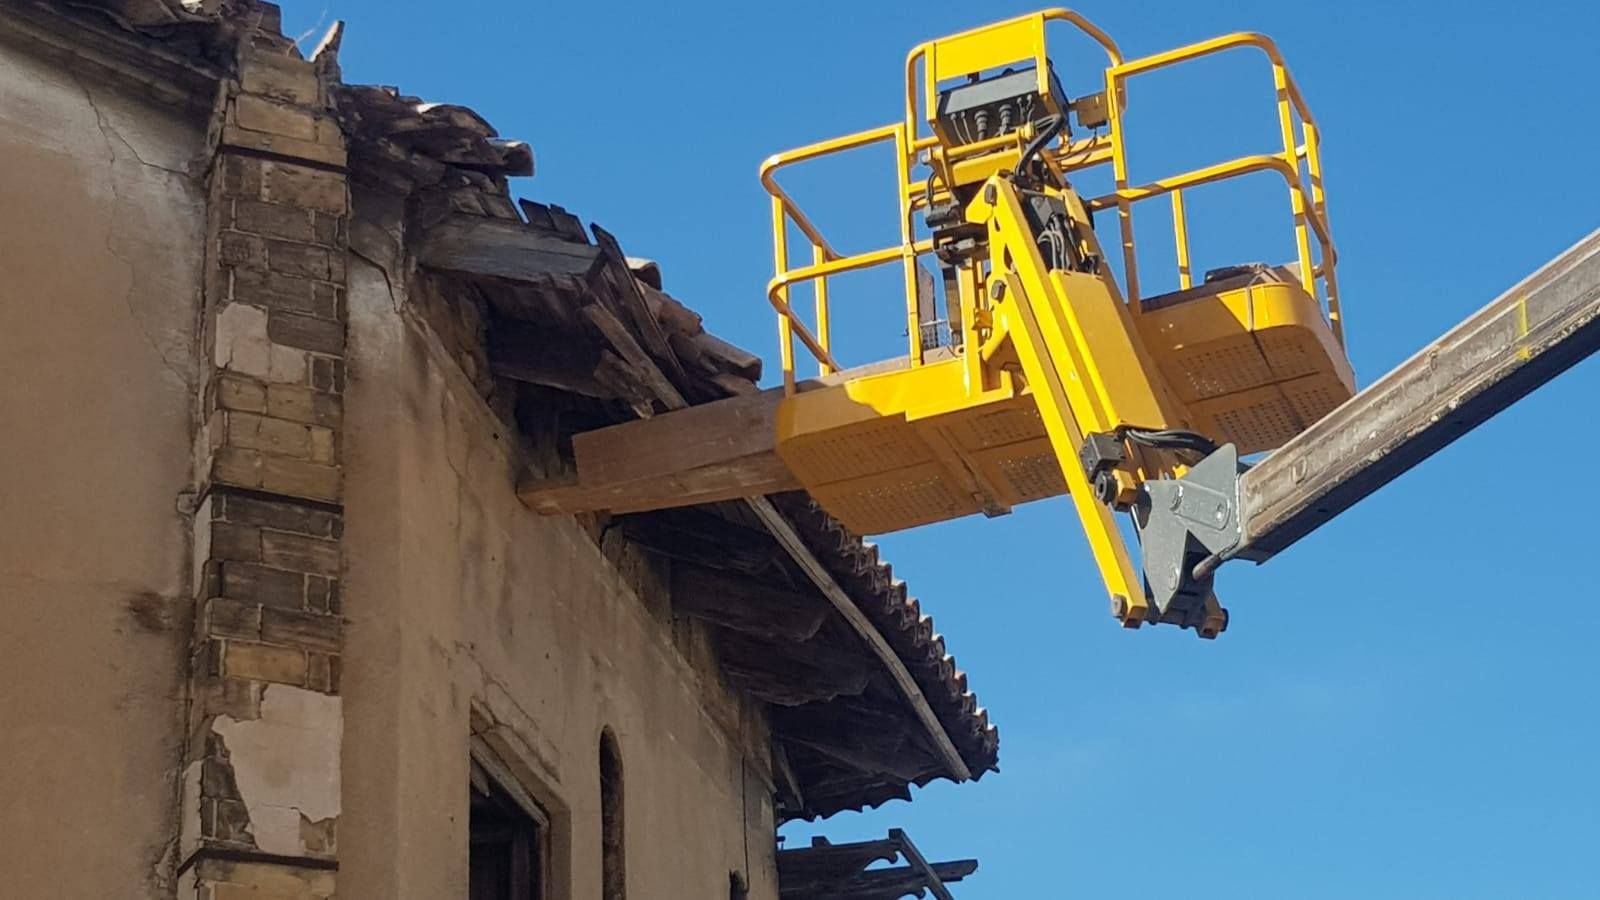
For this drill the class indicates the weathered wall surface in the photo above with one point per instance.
(466, 613)
(100, 256)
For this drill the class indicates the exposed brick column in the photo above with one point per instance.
(261, 794)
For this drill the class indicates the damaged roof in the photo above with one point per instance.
(562, 333)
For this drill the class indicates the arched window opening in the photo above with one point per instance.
(613, 858)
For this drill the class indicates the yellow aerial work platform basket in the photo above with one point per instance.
(1249, 356)
(958, 425)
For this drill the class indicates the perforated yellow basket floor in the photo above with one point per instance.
(1251, 357)
(877, 470)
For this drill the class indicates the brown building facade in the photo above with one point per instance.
(278, 352)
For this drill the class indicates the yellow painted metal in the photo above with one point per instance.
(982, 49)
(1180, 229)
(1046, 354)
(1249, 357)
(819, 256)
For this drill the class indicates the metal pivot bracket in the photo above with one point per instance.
(1186, 525)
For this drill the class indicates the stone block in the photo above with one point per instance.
(225, 820)
(327, 149)
(260, 114)
(243, 250)
(281, 77)
(330, 297)
(237, 393)
(322, 595)
(238, 700)
(301, 629)
(241, 175)
(303, 260)
(327, 374)
(329, 230)
(216, 780)
(264, 662)
(300, 478)
(324, 445)
(225, 617)
(272, 220)
(269, 435)
(302, 405)
(306, 332)
(251, 583)
(288, 365)
(281, 515)
(268, 880)
(300, 553)
(240, 543)
(275, 290)
(305, 187)
(236, 466)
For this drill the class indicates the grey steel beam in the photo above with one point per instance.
(1529, 335)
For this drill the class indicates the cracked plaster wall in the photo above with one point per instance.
(466, 612)
(101, 234)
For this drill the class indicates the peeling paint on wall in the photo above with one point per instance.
(286, 765)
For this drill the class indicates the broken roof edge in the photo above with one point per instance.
(437, 141)
(456, 156)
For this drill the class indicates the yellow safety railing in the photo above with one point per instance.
(1309, 206)
(825, 261)
(911, 150)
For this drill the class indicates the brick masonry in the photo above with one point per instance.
(265, 665)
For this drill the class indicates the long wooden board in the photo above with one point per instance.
(1527, 336)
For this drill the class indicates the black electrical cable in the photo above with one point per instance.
(1170, 439)
(1044, 131)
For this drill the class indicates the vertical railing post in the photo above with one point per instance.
(908, 253)
(1319, 208)
(824, 333)
(1280, 80)
(780, 252)
(1180, 234)
(1119, 171)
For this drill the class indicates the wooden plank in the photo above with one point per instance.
(636, 306)
(747, 606)
(703, 538)
(674, 316)
(1529, 335)
(729, 356)
(611, 327)
(793, 674)
(709, 434)
(705, 484)
(624, 383)
(477, 245)
(786, 776)
(860, 752)
(723, 450)
(933, 881)
(784, 531)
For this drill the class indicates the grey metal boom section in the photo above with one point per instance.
(1527, 336)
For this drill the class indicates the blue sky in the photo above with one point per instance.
(1404, 707)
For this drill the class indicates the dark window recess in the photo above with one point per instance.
(737, 888)
(508, 858)
(613, 856)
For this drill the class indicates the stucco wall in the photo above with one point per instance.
(462, 606)
(100, 255)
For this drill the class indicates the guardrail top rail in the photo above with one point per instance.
(914, 151)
